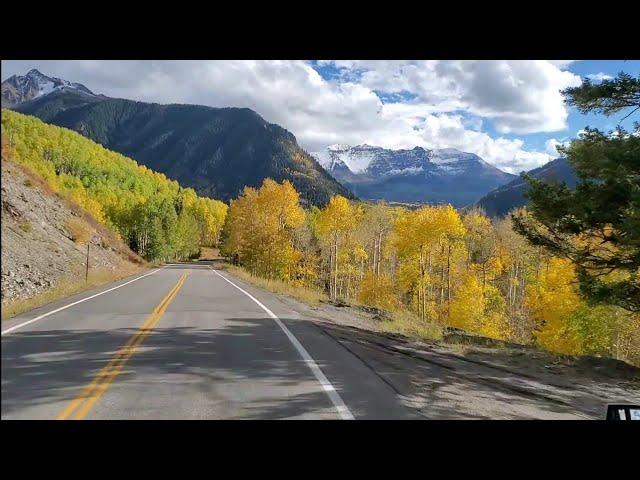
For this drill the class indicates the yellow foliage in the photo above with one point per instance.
(378, 292)
(261, 229)
(153, 214)
(336, 225)
(468, 306)
(495, 323)
(336, 218)
(495, 326)
(552, 301)
(628, 339)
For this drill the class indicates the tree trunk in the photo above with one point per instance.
(336, 272)
(449, 274)
(484, 275)
(331, 289)
(442, 281)
(449, 282)
(375, 254)
(379, 253)
(430, 271)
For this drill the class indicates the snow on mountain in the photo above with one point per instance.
(405, 171)
(455, 162)
(19, 89)
(417, 174)
(356, 159)
(367, 159)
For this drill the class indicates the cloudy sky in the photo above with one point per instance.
(510, 113)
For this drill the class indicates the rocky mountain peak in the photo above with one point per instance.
(415, 174)
(18, 89)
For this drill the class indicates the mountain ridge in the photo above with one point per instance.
(217, 151)
(502, 200)
(19, 89)
(412, 175)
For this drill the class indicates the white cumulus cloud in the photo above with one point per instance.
(598, 77)
(552, 144)
(437, 104)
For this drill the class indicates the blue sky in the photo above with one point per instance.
(597, 69)
(509, 112)
(577, 120)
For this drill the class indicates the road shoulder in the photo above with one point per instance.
(437, 379)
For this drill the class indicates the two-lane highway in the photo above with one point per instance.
(183, 342)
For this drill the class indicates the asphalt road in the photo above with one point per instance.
(183, 342)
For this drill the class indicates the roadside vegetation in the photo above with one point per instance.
(304, 294)
(597, 224)
(38, 267)
(430, 268)
(153, 215)
(562, 276)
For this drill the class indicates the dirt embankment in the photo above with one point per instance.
(44, 244)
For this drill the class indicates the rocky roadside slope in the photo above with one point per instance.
(38, 250)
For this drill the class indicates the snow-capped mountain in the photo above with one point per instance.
(19, 89)
(356, 159)
(414, 175)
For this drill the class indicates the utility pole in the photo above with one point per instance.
(86, 274)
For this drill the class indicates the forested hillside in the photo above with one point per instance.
(155, 216)
(437, 265)
(216, 151)
(502, 200)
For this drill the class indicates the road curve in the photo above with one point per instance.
(183, 342)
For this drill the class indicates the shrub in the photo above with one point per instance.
(78, 230)
(378, 291)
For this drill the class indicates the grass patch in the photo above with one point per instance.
(209, 253)
(303, 294)
(25, 226)
(400, 321)
(68, 286)
(77, 229)
(407, 323)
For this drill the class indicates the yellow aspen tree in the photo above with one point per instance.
(333, 223)
(261, 227)
(553, 301)
(468, 306)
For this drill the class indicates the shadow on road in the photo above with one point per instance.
(246, 370)
(40, 367)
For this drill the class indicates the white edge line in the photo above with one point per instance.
(341, 407)
(40, 317)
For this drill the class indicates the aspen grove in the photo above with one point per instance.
(441, 266)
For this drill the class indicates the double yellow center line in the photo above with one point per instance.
(80, 406)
